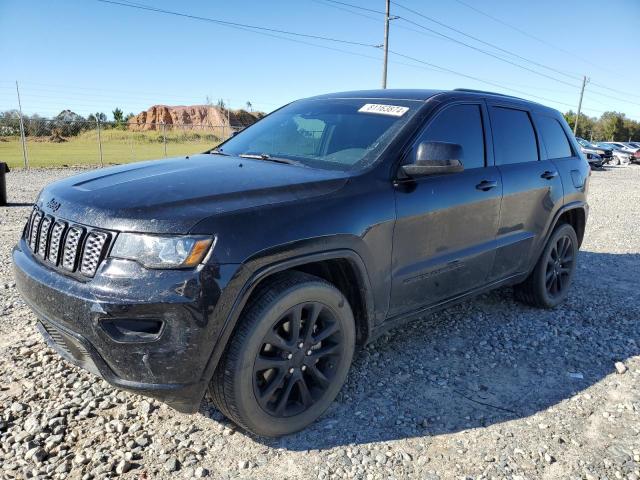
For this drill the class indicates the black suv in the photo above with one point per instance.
(253, 270)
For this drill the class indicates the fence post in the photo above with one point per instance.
(99, 141)
(164, 138)
(22, 135)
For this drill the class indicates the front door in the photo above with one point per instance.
(445, 234)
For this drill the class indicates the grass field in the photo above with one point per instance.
(118, 146)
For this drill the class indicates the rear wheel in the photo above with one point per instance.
(549, 282)
(289, 357)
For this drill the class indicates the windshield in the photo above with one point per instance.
(338, 134)
(584, 143)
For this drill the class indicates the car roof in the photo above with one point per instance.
(426, 94)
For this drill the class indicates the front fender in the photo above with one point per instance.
(260, 267)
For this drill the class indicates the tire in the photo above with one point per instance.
(274, 389)
(548, 284)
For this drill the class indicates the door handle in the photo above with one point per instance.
(486, 185)
(549, 174)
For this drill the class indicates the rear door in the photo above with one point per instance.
(532, 189)
(444, 238)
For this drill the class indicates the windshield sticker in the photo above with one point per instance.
(392, 110)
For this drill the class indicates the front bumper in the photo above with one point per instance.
(170, 365)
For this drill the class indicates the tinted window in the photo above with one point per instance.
(553, 136)
(461, 124)
(514, 140)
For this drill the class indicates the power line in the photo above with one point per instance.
(612, 90)
(369, 17)
(460, 42)
(357, 6)
(541, 40)
(234, 24)
(278, 34)
(487, 82)
(568, 75)
(338, 7)
(523, 32)
(500, 58)
(431, 19)
(442, 24)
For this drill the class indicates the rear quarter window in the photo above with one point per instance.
(553, 136)
(514, 140)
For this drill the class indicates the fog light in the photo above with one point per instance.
(132, 330)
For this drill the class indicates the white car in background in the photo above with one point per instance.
(625, 147)
(620, 156)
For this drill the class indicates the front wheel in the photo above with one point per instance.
(549, 282)
(289, 357)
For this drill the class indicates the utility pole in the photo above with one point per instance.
(386, 45)
(22, 135)
(585, 80)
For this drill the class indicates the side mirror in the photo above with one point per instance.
(433, 158)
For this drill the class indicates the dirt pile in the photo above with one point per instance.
(197, 116)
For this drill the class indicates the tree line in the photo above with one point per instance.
(65, 124)
(610, 127)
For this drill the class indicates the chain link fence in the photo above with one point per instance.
(58, 143)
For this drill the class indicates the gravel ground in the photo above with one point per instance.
(486, 389)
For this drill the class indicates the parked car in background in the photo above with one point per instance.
(620, 156)
(636, 153)
(595, 160)
(624, 146)
(629, 148)
(596, 156)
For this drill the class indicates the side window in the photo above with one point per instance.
(461, 124)
(514, 140)
(553, 136)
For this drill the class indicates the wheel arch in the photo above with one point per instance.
(343, 268)
(575, 216)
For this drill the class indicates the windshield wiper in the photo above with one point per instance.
(215, 151)
(269, 158)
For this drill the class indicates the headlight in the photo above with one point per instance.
(154, 251)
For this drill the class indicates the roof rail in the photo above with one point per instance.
(471, 90)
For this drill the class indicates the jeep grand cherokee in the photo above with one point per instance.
(253, 270)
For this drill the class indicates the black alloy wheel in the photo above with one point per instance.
(297, 361)
(548, 284)
(288, 357)
(559, 266)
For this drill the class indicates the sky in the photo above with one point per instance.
(90, 56)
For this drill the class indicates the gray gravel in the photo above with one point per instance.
(487, 389)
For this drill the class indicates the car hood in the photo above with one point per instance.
(172, 195)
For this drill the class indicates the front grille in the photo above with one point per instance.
(55, 241)
(45, 227)
(35, 225)
(92, 253)
(72, 247)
